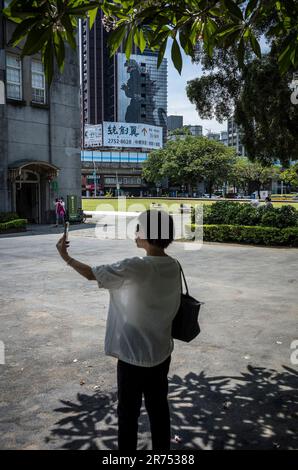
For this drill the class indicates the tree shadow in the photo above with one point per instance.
(256, 410)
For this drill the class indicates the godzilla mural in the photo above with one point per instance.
(140, 91)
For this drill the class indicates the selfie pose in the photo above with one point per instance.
(145, 295)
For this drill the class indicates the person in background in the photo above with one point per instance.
(60, 211)
(255, 203)
(56, 212)
(62, 203)
(268, 203)
(145, 296)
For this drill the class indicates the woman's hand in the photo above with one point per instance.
(62, 246)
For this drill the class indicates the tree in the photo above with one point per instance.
(47, 24)
(182, 131)
(252, 176)
(152, 167)
(290, 176)
(185, 162)
(258, 96)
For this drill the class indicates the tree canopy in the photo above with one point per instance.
(290, 175)
(47, 24)
(181, 131)
(250, 176)
(187, 161)
(258, 96)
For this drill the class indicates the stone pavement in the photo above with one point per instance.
(234, 387)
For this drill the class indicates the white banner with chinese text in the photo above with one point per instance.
(135, 135)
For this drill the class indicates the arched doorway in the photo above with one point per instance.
(28, 196)
(31, 194)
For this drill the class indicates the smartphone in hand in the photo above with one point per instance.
(66, 230)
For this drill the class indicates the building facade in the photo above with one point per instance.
(118, 90)
(235, 138)
(39, 134)
(174, 122)
(224, 137)
(196, 130)
(213, 136)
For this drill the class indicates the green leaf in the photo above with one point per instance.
(161, 52)
(284, 60)
(92, 17)
(294, 56)
(59, 50)
(195, 31)
(128, 43)
(69, 30)
(233, 9)
(255, 45)
(82, 10)
(22, 30)
(227, 31)
(36, 39)
(142, 41)
(116, 37)
(250, 7)
(176, 55)
(48, 61)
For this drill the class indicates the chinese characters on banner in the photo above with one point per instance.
(123, 134)
(92, 136)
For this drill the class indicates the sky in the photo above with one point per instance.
(178, 103)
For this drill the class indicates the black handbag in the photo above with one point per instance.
(185, 326)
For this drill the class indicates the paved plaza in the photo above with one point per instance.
(233, 387)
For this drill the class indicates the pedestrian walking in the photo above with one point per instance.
(59, 211)
(144, 298)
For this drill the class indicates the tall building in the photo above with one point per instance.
(175, 122)
(224, 137)
(196, 130)
(115, 89)
(39, 132)
(213, 136)
(234, 137)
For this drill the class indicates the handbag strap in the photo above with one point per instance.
(183, 276)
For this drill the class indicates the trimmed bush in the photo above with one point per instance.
(236, 213)
(285, 216)
(17, 225)
(8, 216)
(269, 236)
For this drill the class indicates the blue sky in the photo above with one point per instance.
(178, 103)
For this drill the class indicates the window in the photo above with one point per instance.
(14, 77)
(38, 82)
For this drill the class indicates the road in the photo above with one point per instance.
(234, 387)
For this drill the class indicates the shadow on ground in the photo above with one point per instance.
(256, 410)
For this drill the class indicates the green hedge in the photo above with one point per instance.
(8, 216)
(235, 213)
(269, 236)
(19, 224)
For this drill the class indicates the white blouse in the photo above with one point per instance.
(144, 298)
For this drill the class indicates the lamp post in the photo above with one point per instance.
(117, 184)
(94, 175)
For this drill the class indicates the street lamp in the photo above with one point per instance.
(94, 175)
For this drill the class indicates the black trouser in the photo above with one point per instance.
(133, 381)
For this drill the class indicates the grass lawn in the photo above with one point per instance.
(135, 204)
(139, 204)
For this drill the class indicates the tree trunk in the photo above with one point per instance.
(210, 189)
